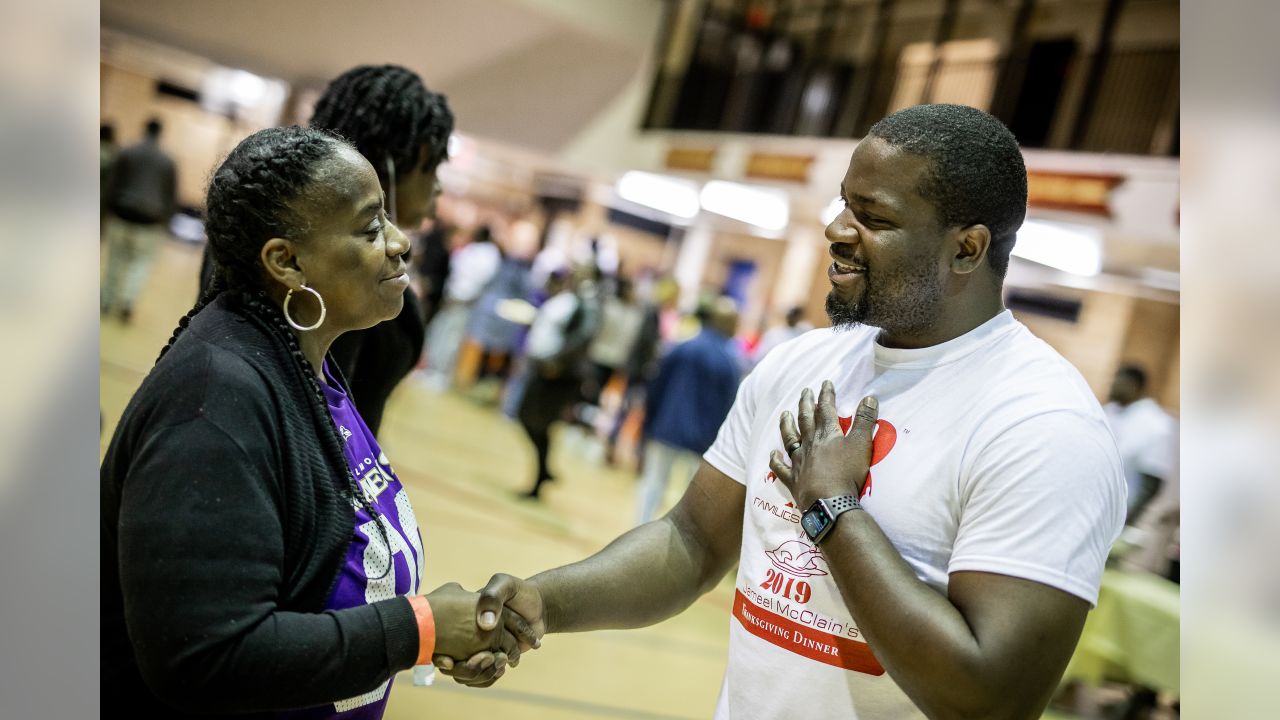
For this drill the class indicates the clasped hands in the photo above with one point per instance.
(479, 635)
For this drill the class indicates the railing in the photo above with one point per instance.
(1043, 93)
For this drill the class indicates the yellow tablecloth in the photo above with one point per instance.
(1132, 635)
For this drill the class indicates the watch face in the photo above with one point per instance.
(813, 523)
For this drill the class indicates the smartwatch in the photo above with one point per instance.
(818, 520)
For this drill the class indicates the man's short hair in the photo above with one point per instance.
(1136, 374)
(976, 171)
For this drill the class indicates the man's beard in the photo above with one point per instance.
(903, 301)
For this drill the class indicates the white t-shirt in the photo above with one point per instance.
(991, 454)
(1147, 437)
(547, 334)
(471, 269)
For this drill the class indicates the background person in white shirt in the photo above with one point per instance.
(794, 326)
(557, 341)
(960, 586)
(1146, 435)
(471, 268)
(621, 321)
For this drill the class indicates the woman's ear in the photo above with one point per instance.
(972, 243)
(281, 262)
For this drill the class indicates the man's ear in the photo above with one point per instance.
(971, 244)
(281, 262)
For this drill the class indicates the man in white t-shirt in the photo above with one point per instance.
(1146, 435)
(945, 568)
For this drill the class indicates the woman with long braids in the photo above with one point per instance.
(259, 554)
(402, 129)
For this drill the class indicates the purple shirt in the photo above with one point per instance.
(365, 576)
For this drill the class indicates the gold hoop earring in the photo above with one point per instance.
(296, 326)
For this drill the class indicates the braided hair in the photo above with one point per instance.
(388, 114)
(251, 199)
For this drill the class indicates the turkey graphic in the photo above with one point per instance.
(797, 558)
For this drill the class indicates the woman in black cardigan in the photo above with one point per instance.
(402, 129)
(256, 559)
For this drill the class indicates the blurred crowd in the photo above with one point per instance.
(547, 337)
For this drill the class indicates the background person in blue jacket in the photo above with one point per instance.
(688, 401)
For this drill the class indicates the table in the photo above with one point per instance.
(1133, 634)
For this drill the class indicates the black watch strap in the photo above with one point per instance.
(820, 519)
(843, 503)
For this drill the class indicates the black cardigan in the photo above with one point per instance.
(223, 531)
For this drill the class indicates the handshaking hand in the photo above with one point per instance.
(508, 608)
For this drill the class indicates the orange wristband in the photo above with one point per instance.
(426, 628)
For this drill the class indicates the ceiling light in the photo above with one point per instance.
(1163, 279)
(1076, 249)
(763, 207)
(670, 195)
